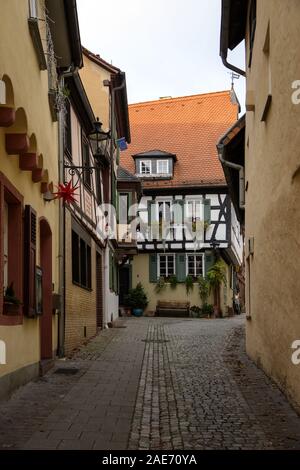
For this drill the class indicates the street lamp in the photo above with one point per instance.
(96, 138)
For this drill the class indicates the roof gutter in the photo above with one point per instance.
(224, 38)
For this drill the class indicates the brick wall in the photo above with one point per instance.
(80, 302)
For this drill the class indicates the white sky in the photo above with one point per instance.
(166, 47)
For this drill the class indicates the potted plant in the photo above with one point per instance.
(207, 310)
(11, 304)
(173, 281)
(195, 311)
(137, 299)
(216, 276)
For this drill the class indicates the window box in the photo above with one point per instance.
(10, 308)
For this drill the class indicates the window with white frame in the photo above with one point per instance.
(145, 167)
(166, 265)
(195, 264)
(163, 167)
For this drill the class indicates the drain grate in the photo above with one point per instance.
(66, 371)
(155, 340)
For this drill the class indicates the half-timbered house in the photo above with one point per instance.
(185, 217)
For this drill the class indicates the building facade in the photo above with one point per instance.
(105, 86)
(269, 156)
(185, 219)
(29, 142)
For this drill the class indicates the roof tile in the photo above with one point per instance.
(188, 127)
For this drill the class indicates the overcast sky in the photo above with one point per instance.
(166, 47)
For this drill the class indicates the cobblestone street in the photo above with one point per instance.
(156, 384)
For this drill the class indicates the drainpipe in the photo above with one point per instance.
(224, 38)
(241, 171)
(62, 222)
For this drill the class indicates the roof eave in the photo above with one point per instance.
(121, 104)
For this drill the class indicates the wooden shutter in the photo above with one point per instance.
(209, 261)
(207, 211)
(152, 267)
(29, 307)
(180, 267)
(110, 271)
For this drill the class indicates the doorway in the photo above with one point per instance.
(46, 273)
(125, 282)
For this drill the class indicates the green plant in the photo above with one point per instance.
(10, 296)
(207, 310)
(160, 284)
(137, 297)
(189, 283)
(203, 289)
(216, 276)
(173, 281)
(195, 311)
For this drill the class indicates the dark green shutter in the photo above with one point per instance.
(152, 267)
(113, 189)
(209, 261)
(116, 287)
(180, 267)
(178, 211)
(110, 272)
(207, 211)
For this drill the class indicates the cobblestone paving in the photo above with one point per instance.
(199, 390)
(156, 384)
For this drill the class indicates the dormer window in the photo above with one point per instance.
(154, 164)
(145, 167)
(162, 167)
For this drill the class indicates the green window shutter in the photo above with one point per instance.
(209, 260)
(207, 211)
(116, 290)
(152, 267)
(178, 211)
(180, 267)
(113, 189)
(110, 272)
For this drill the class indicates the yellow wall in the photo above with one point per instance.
(92, 76)
(30, 85)
(273, 195)
(140, 273)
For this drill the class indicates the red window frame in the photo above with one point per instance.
(10, 195)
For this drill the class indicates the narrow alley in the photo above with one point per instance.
(153, 383)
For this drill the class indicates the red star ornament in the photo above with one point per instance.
(66, 192)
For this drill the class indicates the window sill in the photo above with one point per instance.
(89, 289)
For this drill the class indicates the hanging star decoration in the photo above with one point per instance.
(66, 192)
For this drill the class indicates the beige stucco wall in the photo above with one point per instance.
(273, 195)
(140, 273)
(30, 86)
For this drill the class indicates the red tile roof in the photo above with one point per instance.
(189, 127)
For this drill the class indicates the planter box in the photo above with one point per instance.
(11, 309)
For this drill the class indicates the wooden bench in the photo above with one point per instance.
(172, 309)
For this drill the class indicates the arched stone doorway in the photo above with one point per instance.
(46, 267)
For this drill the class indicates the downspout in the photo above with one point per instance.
(224, 39)
(112, 134)
(230, 66)
(241, 171)
(62, 223)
